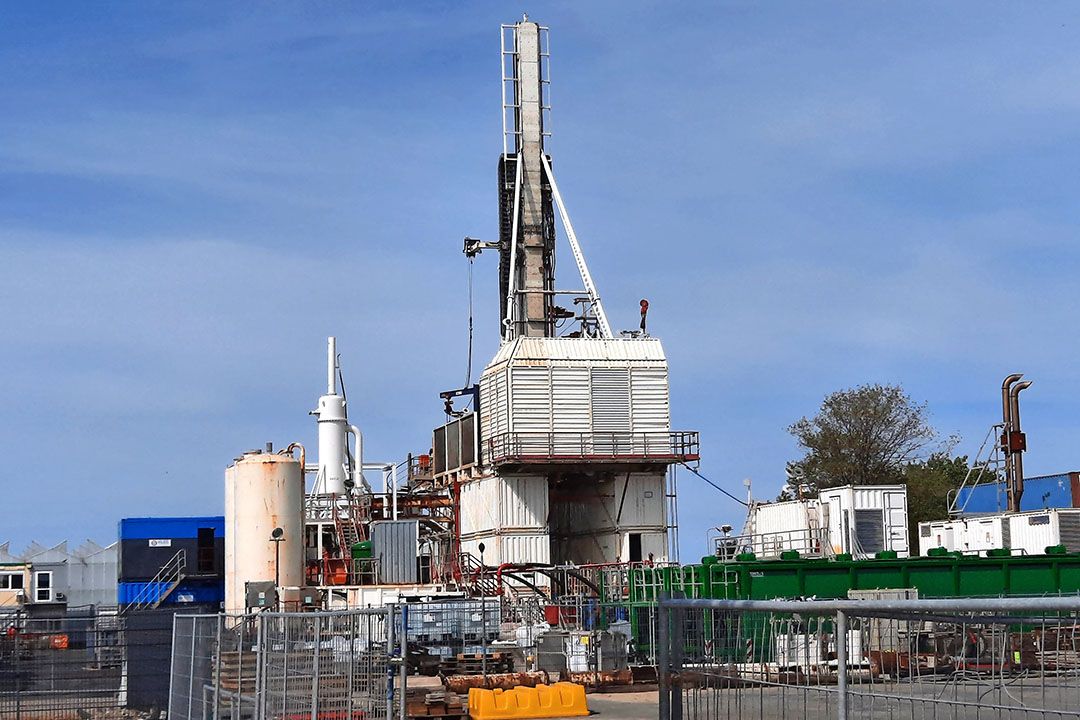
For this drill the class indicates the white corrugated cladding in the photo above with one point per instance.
(575, 385)
(531, 402)
(650, 411)
(517, 548)
(570, 396)
(500, 504)
(786, 517)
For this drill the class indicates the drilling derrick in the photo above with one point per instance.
(527, 276)
(564, 456)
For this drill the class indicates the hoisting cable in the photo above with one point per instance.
(691, 469)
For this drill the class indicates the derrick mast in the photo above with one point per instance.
(527, 270)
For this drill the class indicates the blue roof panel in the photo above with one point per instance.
(145, 528)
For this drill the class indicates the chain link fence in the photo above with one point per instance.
(289, 666)
(869, 659)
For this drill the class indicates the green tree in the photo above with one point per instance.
(866, 435)
(929, 483)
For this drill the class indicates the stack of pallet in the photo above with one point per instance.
(236, 672)
(473, 664)
(441, 703)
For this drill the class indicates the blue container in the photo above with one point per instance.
(148, 544)
(1040, 493)
(149, 528)
(187, 592)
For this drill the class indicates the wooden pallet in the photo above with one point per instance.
(441, 703)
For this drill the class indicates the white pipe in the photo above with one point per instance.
(393, 486)
(579, 257)
(358, 459)
(331, 366)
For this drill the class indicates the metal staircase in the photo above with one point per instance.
(162, 585)
(476, 577)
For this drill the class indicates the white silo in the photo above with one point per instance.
(263, 492)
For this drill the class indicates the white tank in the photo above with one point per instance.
(263, 491)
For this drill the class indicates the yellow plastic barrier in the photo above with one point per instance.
(563, 699)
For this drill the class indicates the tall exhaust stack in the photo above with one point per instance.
(1013, 440)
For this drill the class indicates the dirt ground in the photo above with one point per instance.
(624, 706)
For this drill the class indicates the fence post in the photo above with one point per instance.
(389, 620)
(217, 668)
(841, 665)
(678, 647)
(191, 671)
(404, 660)
(662, 658)
(315, 669)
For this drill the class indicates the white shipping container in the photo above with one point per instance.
(982, 534)
(865, 519)
(973, 535)
(576, 387)
(936, 534)
(1032, 532)
(516, 548)
(792, 525)
(517, 502)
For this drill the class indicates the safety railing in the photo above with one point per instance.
(808, 542)
(168, 578)
(562, 447)
(944, 658)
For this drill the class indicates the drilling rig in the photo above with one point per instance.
(564, 456)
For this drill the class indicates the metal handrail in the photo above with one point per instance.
(668, 445)
(167, 577)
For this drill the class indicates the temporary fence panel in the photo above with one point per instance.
(294, 666)
(71, 667)
(957, 658)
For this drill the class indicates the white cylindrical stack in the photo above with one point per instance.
(263, 492)
(333, 427)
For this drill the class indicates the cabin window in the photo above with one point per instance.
(43, 586)
(11, 581)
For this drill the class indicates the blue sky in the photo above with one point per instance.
(811, 195)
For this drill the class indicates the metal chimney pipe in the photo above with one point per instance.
(1007, 427)
(1006, 406)
(1018, 455)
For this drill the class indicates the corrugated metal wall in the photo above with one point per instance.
(579, 387)
(513, 503)
(517, 547)
(396, 545)
(570, 397)
(649, 394)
